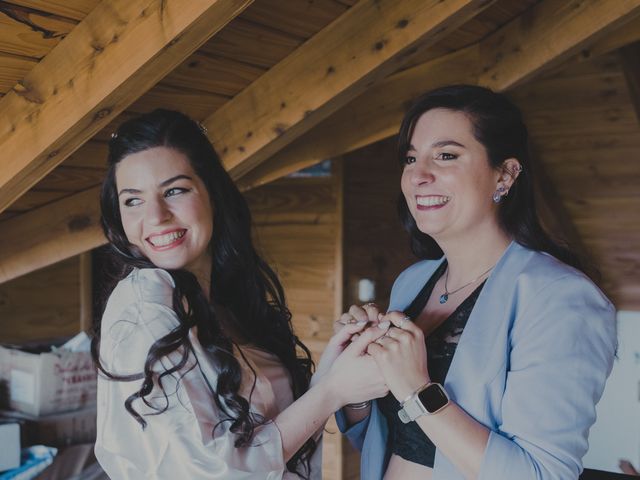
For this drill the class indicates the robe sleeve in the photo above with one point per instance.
(182, 441)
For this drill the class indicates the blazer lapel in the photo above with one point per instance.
(483, 348)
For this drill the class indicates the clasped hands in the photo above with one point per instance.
(372, 353)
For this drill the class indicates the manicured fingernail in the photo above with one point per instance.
(361, 323)
(384, 325)
(380, 315)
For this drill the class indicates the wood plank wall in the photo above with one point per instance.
(376, 245)
(298, 231)
(43, 304)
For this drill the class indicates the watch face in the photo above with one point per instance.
(433, 398)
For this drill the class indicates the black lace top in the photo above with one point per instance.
(408, 440)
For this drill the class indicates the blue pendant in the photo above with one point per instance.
(443, 298)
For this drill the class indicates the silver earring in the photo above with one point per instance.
(497, 195)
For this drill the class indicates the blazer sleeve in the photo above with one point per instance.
(562, 350)
(354, 433)
(186, 440)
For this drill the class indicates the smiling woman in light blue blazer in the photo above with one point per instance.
(500, 315)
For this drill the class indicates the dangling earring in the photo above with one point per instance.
(497, 195)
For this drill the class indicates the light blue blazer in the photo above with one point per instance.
(530, 365)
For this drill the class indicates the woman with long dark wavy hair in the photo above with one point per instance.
(496, 346)
(201, 375)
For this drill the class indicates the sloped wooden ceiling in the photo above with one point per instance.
(285, 84)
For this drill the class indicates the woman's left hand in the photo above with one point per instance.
(401, 355)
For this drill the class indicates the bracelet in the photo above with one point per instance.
(358, 406)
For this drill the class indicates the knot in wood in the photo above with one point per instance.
(79, 223)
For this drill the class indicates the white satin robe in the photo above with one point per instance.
(178, 444)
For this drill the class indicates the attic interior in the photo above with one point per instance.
(283, 86)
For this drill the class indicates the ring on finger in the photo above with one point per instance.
(350, 321)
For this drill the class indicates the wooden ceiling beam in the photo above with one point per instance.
(364, 45)
(113, 56)
(547, 34)
(625, 35)
(371, 117)
(50, 234)
(560, 30)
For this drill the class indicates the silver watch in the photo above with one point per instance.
(427, 400)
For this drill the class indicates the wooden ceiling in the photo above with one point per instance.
(284, 84)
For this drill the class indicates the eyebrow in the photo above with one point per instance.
(440, 144)
(446, 143)
(165, 183)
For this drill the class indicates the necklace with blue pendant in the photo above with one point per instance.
(445, 296)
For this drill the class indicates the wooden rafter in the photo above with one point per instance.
(560, 29)
(364, 45)
(119, 51)
(492, 63)
(49, 234)
(625, 35)
(377, 114)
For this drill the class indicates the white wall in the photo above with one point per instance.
(616, 433)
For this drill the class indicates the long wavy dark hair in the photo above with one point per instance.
(498, 126)
(241, 282)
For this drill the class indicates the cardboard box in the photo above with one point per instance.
(39, 381)
(57, 430)
(10, 441)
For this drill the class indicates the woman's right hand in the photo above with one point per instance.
(336, 345)
(346, 329)
(354, 375)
